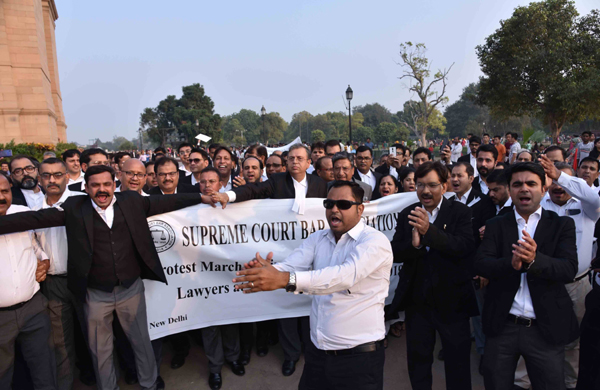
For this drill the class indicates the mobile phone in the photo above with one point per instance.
(6, 153)
(393, 151)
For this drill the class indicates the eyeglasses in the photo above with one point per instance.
(299, 159)
(341, 204)
(344, 169)
(56, 175)
(196, 160)
(431, 186)
(131, 175)
(363, 158)
(92, 163)
(19, 171)
(273, 166)
(163, 175)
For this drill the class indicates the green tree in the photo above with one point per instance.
(544, 61)
(411, 119)
(362, 133)
(317, 135)
(386, 131)
(373, 114)
(416, 69)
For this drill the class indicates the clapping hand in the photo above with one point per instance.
(260, 275)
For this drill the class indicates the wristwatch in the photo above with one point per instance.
(291, 286)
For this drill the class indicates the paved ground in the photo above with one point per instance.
(265, 373)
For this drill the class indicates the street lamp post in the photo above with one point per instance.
(349, 95)
(263, 113)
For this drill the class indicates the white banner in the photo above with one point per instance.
(284, 148)
(201, 248)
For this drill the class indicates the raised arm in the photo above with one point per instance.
(31, 220)
(578, 188)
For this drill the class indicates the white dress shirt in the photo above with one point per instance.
(484, 187)
(473, 162)
(310, 169)
(300, 190)
(522, 305)
(78, 180)
(34, 199)
(515, 148)
(349, 280)
(584, 209)
(394, 172)
(464, 198)
(118, 189)
(368, 178)
(20, 252)
(108, 214)
(194, 181)
(54, 240)
(455, 152)
(227, 188)
(183, 168)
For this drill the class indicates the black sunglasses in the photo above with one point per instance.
(341, 204)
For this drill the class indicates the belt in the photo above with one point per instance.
(527, 322)
(18, 305)
(578, 278)
(363, 348)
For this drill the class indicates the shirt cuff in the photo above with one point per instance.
(231, 196)
(563, 179)
(302, 281)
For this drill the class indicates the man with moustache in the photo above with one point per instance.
(62, 304)
(528, 256)
(24, 176)
(324, 169)
(89, 158)
(23, 314)
(225, 162)
(487, 159)
(221, 342)
(275, 165)
(150, 177)
(252, 169)
(109, 280)
(343, 170)
(71, 158)
(133, 176)
(556, 153)
(293, 184)
(167, 177)
(260, 152)
(434, 239)
(363, 171)
(455, 150)
(347, 269)
(420, 156)
(198, 160)
(588, 171)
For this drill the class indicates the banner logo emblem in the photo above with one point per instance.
(162, 234)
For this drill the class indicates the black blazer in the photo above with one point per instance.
(555, 264)
(78, 220)
(182, 188)
(280, 186)
(482, 210)
(378, 176)
(78, 187)
(450, 241)
(466, 158)
(383, 169)
(18, 197)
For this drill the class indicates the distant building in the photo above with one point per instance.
(30, 99)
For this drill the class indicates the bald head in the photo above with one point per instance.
(5, 195)
(133, 175)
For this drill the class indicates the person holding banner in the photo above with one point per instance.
(294, 184)
(347, 269)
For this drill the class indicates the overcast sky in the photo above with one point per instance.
(117, 57)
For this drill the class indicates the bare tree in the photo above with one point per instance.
(417, 70)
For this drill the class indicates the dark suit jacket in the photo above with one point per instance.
(78, 220)
(378, 176)
(18, 197)
(482, 210)
(78, 187)
(280, 186)
(383, 169)
(555, 264)
(450, 242)
(185, 179)
(182, 188)
(466, 158)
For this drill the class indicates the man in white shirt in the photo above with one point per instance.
(515, 147)
(24, 175)
(528, 256)
(225, 162)
(364, 160)
(22, 307)
(62, 304)
(184, 150)
(71, 158)
(455, 150)
(347, 269)
(585, 146)
(133, 176)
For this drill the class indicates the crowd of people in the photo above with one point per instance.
(500, 248)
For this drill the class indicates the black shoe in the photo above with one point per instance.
(262, 350)
(245, 357)
(131, 377)
(441, 354)
(87, 378)
(215, 381)
(177, 361)
(160, 384)
(288, 368)
(237, 368)
(481, 365)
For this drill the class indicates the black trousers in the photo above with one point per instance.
(293, 332)
(421, 324)
(589, 350)
(544, 361)
(362, 371)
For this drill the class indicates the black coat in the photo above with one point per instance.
(466, 158)
(447, 263)
(482, 210)
(378, 176)
(17, 196)
(78, 220)
(182, 188)
(280, 186)
(555, 264)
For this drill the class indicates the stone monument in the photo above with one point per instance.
(30, 99)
